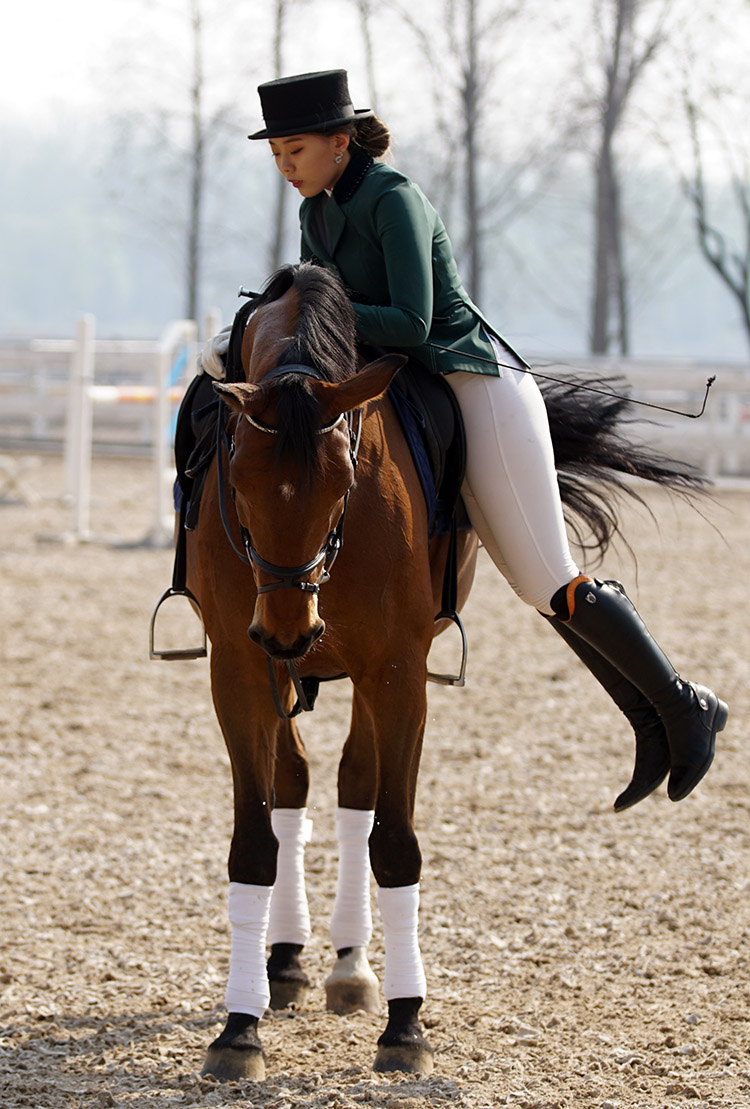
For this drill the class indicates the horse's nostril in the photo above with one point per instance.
(276, 649)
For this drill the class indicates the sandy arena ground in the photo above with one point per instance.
(575, 958)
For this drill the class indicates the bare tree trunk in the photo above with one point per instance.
(365, 13)
(731, 261)
(470, 104)
(610, 292)
(610, 299)
(197, 168)
(276, 253)
(622, 62)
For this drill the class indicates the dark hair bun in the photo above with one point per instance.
(372, 135)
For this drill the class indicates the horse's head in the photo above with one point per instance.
(291, 471)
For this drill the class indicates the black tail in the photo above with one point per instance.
(590, 447)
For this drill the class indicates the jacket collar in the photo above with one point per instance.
(353, 175)
(331, 213)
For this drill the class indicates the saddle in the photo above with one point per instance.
(194, 445)
(430, 420)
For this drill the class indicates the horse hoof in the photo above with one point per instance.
(409, 1058)
(237, 1053)
(402, 1047)
(351, 986)
(286, 993)
(286, 978)
(232, 1064)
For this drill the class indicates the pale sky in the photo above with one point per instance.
(53, 53)
(48, 51)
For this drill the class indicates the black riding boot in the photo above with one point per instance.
(651, 746)
(602, 615)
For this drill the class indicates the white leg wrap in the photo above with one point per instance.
(290, 916)
(404, 973)
(351, 923)
(247, 989)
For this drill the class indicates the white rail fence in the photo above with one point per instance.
(719, 441)
(83, 394)
(75, 393)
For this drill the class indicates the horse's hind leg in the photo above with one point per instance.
(397, 863)
(352, 985)
(289, 925)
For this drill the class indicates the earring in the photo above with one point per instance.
(339, 158)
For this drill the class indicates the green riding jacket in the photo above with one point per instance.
(392, 252)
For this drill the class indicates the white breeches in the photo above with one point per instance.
(510, 488)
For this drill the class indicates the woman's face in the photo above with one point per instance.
(308, 162)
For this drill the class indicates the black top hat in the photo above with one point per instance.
(307, 102)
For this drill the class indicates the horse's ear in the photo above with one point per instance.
(238, 397)
(369, 384)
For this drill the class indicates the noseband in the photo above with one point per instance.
(289, 577)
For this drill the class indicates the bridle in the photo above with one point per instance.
(287, 577)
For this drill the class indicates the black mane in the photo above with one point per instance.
(324, 340)
(325, 335)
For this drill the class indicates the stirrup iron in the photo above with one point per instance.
(180, 653)
(458, 679)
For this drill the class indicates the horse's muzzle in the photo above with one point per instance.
(285, 652)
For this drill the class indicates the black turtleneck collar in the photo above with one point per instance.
(353, 176)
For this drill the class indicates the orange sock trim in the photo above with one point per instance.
(570, 594)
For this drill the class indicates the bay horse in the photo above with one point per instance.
(290, 479)
(311, 442)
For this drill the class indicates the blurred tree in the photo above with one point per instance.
(366, 10)
(175, 123)
(199, 127)
(726, 250)
(501, 134)
(624, 51)
(278, 243)
(716, 176)
(276, 252)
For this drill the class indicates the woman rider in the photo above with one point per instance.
(376, 229)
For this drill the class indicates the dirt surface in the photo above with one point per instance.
(574, 957)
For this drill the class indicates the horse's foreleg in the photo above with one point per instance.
(237, 1053)
(289, 926)
(402, 1046)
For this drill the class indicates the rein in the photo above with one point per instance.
(588, 388)
(242, 292)
(287, 577)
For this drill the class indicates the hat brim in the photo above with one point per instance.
(328, 125)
